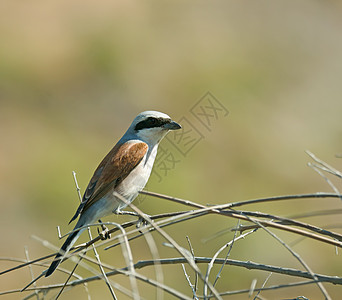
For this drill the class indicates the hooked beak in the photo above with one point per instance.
(172, 126)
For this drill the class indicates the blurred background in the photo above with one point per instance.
(73, 76)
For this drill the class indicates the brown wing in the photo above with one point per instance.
(114, 168)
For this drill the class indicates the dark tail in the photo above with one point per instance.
(70, 241)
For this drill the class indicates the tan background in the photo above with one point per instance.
(74, 74)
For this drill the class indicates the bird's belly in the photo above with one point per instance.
(134, 182)
(129, 188)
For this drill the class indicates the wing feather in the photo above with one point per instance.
(114, 168)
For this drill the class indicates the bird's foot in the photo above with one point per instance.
(104, 234)
(141, 218)
(142, 222)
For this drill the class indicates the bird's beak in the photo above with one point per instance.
(172, 126)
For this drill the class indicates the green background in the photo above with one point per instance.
(73, 75)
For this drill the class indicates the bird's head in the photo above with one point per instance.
(152, 126)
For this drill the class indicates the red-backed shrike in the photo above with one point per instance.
(125, 170)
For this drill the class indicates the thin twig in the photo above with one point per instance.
(89, 268)
(155, 256)
(169, 219)
(192, 286)
(205, 260)
(193, 257)
(291, 229)
(78, 190)
(218, 208)
(263, 285)
(328, 168)
(111, 290)
(325, 212)
(228, 253)
(252, 287)
(173, 219)
(317, 169)
(273, 287)
(286, 221)
(249, 265)
(31, 271)
(66, 282)
(172, 241)
(211, 263)
(246, 202)
(296, 255)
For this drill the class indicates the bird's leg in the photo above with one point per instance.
(104, 234)
(141, 219)
(124, 212)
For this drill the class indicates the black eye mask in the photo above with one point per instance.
(151, 122)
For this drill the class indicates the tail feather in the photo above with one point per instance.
(70, 241)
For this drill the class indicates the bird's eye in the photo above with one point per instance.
(148, 123)
(153, 121)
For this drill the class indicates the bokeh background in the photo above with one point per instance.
(74, 74)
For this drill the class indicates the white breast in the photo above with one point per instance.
(137, 179)
(128, 188)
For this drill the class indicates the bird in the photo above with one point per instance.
(125, 170)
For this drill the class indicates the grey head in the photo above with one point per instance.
(150, 127)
